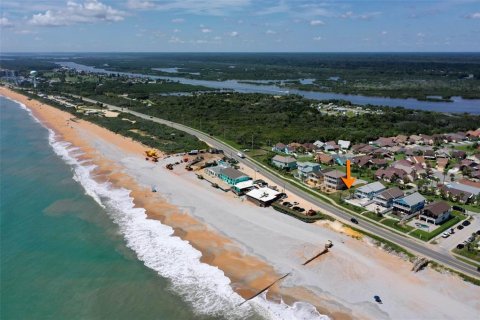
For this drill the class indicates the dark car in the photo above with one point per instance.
(354, 220)
(478, 232)
(377, 299)
(460, 246)
(466, 223)
(460, 227)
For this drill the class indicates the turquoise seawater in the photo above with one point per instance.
(61, 255)
(74, 248)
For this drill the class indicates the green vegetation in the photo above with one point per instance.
(241, 118)
(162, 137)
(300, 216)
(427, 236)
(425, 76)
(471, 249)
(392, 223)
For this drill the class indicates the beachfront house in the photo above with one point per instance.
(263, 197)
(333, 180)
(243, 187)
(344, 144)
(436, 212)
(232, 176)
(369, 191)
(408, 205)
(305, 168)
(214, 171)
(386, 197)
(282, 162)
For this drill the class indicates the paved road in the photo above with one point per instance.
(408, 243)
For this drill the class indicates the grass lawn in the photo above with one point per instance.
(400, 156)
(394, 224)
(372, 215)
(427, 236)
(473, 255)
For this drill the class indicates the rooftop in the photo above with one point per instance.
(413, 198)
(232, 173)
(263, 194)
(335, 174)
(372, 187)
(283, 159)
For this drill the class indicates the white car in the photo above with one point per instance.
(445, 235)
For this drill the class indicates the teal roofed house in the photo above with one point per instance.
(232, 176)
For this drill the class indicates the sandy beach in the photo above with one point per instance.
(254, 246)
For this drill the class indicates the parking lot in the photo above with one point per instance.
(460, 235)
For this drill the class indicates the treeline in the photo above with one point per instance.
(154, 135)
(267, 119)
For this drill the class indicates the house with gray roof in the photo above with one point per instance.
(305, 168)
(409, 204)
(369, 191)
(282, 162)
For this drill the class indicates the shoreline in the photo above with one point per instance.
(248, 265)
(216, 249)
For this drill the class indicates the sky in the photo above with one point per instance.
(239, 26)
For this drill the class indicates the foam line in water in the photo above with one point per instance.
(205, 287)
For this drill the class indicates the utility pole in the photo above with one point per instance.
(252, 141)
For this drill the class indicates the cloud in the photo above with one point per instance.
(5, 23)
(210, 7)
(174, 39)
(178, 20)
(217, 38)
(270, 32)
(233, 34)
(140, 4)
(317, 38)
(362, 16)
(384, 33)
(25, 32)
(317, 23)
(206, 30)
(176, 30)
(91, 11)
(421, 35)
(475, 15)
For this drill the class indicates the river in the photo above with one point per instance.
(458, 105)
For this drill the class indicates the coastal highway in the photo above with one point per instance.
(415, 246)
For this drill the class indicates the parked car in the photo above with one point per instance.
(452, 231)
(466, 223)
(460, 246)
(460, 227)
(354, 220)
(478, 232)
(445, 235)
(377, 299)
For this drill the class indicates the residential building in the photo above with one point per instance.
(333, 180)
(386, 197)
(324, 158)
(344, 144)
(315, 179)
(214, 171)
(282, 162)
(304, 168)
(370, 190)
(279, 147)
(232, 176)
(436, 212)
(263, 197)
(455, 194)
(409, 205)
(243, 187)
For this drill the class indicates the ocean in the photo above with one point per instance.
(73, 248)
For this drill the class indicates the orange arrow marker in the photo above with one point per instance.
(349, 180)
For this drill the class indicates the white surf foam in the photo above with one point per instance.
(205, 287)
